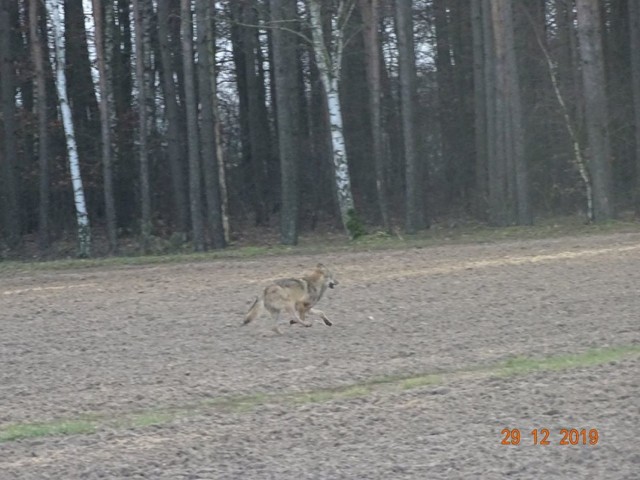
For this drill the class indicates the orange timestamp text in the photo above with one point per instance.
(541, 436)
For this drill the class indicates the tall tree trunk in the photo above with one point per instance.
(356, 115)
(9, 186)
(283, 12)
(257, 122)
(509, 179)
(207, 128)
(516, 141)
(617, 57)
(634, 29)
(566, 57)
(195, 190)
(501, 181)
(222, 176)
(447, 113)
(238, 50)
(596, 111)
(329, 70)
(392, 136)
(84, 230)
(461, 39)
(369, 9)
(122, 85)
(495, 167)
(480, 105)
(318, 178)
(143, 153)
(175, 143)
(105, 121)
(415, 218)
(37, 53)
(82, 94)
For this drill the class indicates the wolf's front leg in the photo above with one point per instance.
(321, 314)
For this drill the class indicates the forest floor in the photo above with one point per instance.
(144, 371)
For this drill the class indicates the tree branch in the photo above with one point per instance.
(273, 24)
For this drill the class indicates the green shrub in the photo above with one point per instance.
(354, 225)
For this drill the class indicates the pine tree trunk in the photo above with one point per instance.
(207, 130)
(563, 53)
(122, 85)
(143, 153)
(495, 174)
(84, 230)
(105, 122)
(634, 30)
(195, 191)
(175, 144)
(238, 51)
(319, 178)
(8, 186)
(461, 39)
(257, 121)
(516, 140)
(500, 181)
(37, 53)
(508, 177)
(480, 105)
(415, 218)
(369, 10)
(447, 113)
(288, 115)
(596, 111)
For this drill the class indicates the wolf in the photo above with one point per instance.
(295, 296)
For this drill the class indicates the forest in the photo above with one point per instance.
(189, 123)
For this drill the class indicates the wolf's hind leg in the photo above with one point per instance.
(297, 318)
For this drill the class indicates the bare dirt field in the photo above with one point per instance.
(145, 372)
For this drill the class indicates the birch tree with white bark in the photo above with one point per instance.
(82, 216)
(329, 61)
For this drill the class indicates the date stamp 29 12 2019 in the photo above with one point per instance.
(541, 436)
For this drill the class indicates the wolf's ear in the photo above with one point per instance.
(320, 266)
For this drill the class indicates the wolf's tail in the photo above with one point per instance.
(254, 311)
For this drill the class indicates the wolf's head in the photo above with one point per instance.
(329, 281)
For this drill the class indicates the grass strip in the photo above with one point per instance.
(55, 428)
(516, 366)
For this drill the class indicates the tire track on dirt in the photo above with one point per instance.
(52, 288)
(369, 272)
(499, 262)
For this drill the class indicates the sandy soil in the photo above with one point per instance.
(114, 342)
